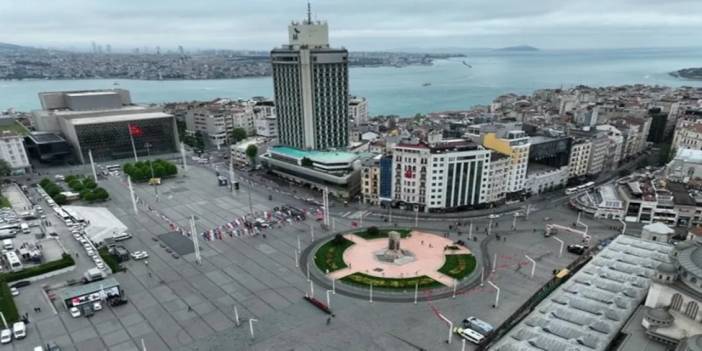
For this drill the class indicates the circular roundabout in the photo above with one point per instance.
(393, 264)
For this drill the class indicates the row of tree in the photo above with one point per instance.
(54, 190)
(142, 171)
(87, 188)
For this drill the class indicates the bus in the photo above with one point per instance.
(13, 261)
(579, 188)
(112, 168)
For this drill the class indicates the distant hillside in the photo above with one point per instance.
(12, 48)
(518, 48)
(688, 73)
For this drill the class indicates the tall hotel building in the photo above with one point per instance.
(311, 86)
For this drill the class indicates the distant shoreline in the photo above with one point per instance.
(694, 73)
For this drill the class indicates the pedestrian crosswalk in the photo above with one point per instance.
(355, 214)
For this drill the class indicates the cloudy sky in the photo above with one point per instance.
(355, 24)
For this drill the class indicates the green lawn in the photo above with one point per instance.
(15, 127)
(382, 233)
(458, 266)
(330, 256)
(7, 304)
(361, 279)
(4, 202)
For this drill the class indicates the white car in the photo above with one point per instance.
(139, 255)
(97, 306)
(494, 216)
(75, 312)
(5, 336)
(100, 266)
(90, 252)
(470, 335)
(14, 291)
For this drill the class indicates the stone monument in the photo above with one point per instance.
(394, 254)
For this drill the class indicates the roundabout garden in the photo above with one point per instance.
(397, 259)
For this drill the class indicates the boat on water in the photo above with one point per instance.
(426, 84)
(115, 83)
(467, 65)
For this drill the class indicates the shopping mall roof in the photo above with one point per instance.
(586, 312)
(316, 156)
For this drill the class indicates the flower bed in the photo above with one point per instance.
(458, 266)
(361, 279)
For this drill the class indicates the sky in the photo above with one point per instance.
(355, 24)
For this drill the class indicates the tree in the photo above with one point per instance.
(101, 194)
(159, 170)
(60, 199)
(89, 196)
(5, 169)
(251, 153)
(76, 185)
(306, 162)
(373, 231)
(89, 183)
(238, 134)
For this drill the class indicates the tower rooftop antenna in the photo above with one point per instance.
(309, 13)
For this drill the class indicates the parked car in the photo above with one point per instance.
(494, 216)
(469, 334)
(118, 302)
(478, 325)
(21, 284)
(19, 330)
(52, 347)
(577, 249)
(5, 336)
(75, 312)
(14, 291)
(139, 255)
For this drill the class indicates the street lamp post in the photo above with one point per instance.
(560, 251)
(236, 316)
(497, 294)
(533, 265)
(450, 335)
(328, 299)
(251, 322)
(623, 226)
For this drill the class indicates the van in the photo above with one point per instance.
(7, 244)
(18, 330)
(470, 335)
(25, 228)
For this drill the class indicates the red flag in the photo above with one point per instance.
(135, 130)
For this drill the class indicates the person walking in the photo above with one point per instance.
(328, 320)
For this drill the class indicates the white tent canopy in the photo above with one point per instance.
(101, 223)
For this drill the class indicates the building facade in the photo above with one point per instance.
(310, 82)
(445, 176)
(358, 110)
(514, 144)
(579, 157)
(12, 151)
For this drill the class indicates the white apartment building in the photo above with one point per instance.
(217, 120)
(515, 144)
(266, 126)
(688, 137)
(238, 151)
(579, 158)
(616, 143)
(12, 151)
(498, 171)
(542, 178)
(358, 110)
(447, 175)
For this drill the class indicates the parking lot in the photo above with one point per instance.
(178, 304)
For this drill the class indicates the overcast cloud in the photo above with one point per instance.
(357, 25)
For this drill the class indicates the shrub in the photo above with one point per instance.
(65, 261)
(89, 183)
(373, 231)
(110, 260)
(60, 199)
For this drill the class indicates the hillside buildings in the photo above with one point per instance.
(311, 85)
(101, 121)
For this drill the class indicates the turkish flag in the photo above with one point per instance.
(135, 130)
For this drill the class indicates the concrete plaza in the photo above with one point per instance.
(178, 304)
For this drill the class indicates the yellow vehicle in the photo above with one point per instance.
(155, 181)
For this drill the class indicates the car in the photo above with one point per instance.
(5, 336)
(14, 291)
(88, 311)
(75, 312)
(21, 284)
(38, 348)
(469, 334)
(54, 234)
(478, 325)
(90, 252)
(97, 306)
(494, 216)
(118, 302)
(19, 330)
(77, 236)
(139, 255)
(52, 347)
(577, 249)
(100, 265)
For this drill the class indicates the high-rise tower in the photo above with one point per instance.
(311, 85)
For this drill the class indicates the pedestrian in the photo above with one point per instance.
(190, 309)
(328, 320)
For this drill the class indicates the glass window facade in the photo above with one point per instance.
(110, 141)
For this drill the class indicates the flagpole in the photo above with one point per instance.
(131, 137)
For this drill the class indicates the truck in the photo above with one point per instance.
(93, 274)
